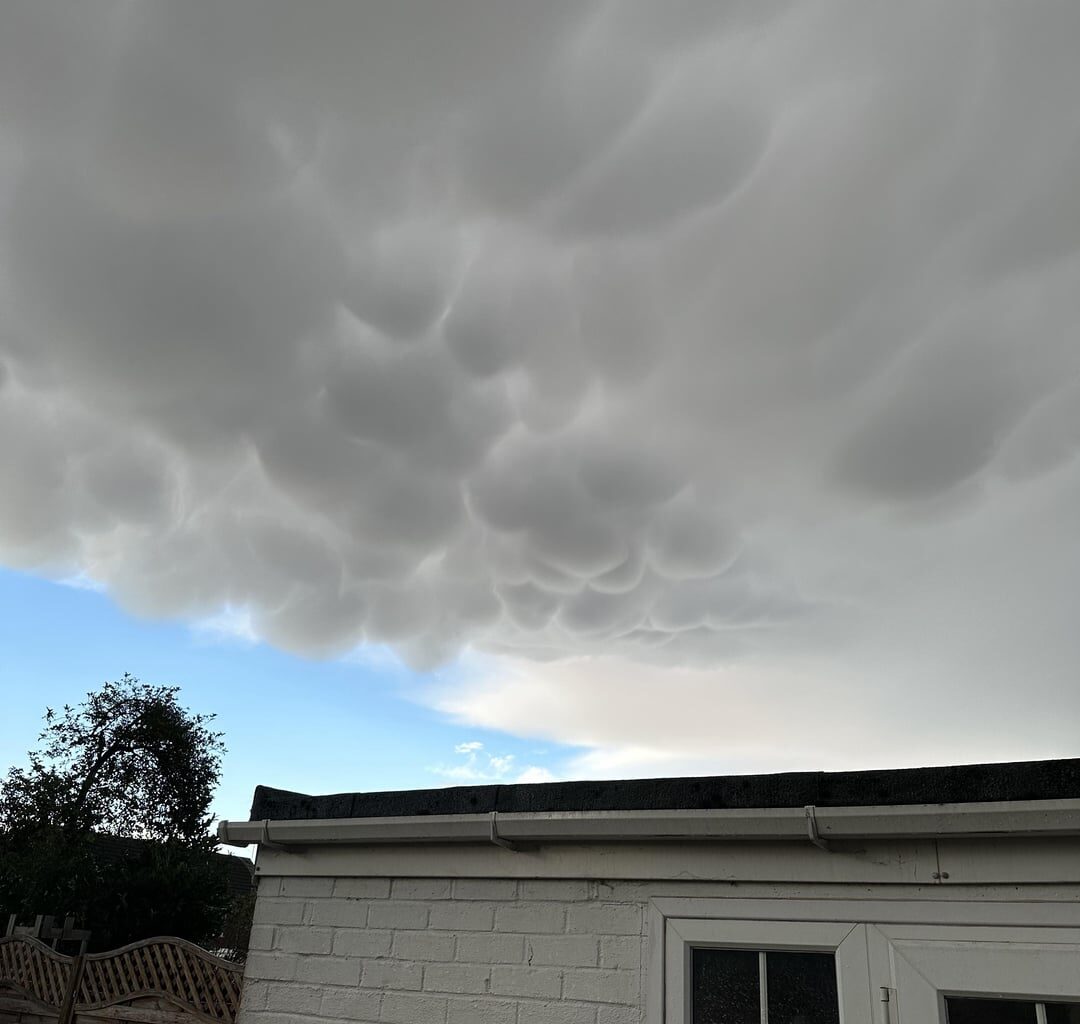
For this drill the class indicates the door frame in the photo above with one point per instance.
(926, 964)
(888, 929)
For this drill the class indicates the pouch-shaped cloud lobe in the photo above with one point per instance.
(689, 333)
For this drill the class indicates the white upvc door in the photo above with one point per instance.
(896, 961)
(914, 968)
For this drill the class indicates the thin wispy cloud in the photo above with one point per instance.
(710, 357)
(81, 581)
(230, 625)
(478, 767)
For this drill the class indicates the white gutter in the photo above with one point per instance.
(818, 824)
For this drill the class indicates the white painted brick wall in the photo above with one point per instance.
(436, 951)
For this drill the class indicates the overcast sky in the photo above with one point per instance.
(694, 384)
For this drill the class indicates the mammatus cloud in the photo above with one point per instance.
(737, 337)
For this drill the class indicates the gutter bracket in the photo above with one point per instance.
(265, 840)
(497, 839)
(812, 829)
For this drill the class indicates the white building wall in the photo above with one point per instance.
(381, 934)
(442, 951)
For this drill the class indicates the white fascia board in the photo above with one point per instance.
(968, 820)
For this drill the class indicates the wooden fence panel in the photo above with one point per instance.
(30, 967)
(168, 971)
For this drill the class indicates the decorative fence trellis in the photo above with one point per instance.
(204, 987)
(50, 931)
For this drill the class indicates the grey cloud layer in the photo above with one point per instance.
(688, 332)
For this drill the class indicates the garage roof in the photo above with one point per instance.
(978, 783)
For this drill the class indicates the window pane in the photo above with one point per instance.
(989, 1011)
(725, 986)
(802, 988)
(1063, 1013)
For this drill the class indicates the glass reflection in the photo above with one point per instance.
(725, 988)
(802, 988)
(989, 1011)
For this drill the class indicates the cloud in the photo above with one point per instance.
(534, 774)
(714, 345)
(81, 581)
(631, 719)
(228, 625)
(488, 768)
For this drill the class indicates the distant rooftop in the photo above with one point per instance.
(110, 849)
(976, 783)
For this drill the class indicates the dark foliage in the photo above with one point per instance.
(129, 761)
(236, 932)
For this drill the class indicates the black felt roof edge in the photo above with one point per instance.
(975, 783)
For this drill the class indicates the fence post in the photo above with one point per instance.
(71, 996)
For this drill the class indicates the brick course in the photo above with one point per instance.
(434, 951)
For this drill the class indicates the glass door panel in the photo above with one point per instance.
(963, 1010)
(740, 986)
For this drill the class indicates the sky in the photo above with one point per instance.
(629, 388)
(289, 722)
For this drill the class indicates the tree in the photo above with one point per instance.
(129, 761)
